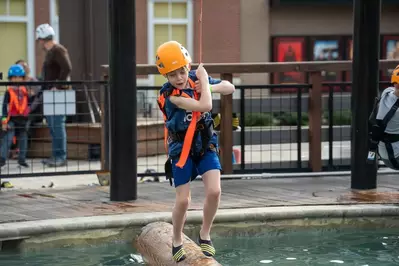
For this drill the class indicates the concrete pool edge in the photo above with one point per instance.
(39, 227)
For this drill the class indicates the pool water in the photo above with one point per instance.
(358, 247)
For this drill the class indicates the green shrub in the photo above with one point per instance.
(291, 119)
(343, 117)
(258, 119)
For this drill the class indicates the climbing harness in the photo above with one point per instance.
(377, 134)
(198, 125)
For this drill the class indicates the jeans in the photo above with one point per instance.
(56, 124)
(22, 140)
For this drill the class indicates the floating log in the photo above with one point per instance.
(155, 246)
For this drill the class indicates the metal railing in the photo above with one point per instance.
(336, 129)
(83, 129)
(269, 139)
(273, 134)
(284, 127)
(274, 129)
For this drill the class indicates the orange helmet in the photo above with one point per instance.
(395, 75)
(171, 56)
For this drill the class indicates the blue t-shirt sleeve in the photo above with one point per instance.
(169, 106)
(6, 101)
(213, 81)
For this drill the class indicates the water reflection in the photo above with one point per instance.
(313, 247)
(293, 248)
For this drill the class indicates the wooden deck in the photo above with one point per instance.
(50, 203)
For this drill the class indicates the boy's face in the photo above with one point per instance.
(26, 67)
(17, 79)
(178, 78)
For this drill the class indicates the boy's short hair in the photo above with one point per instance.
(20, 61)
(186, 68)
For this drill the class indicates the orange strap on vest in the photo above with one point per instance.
(14, 102)
(188, 139)
(161, 103)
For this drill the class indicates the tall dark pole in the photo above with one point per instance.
(366, 40)
(122, 58)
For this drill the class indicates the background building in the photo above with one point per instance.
(18, 20)
(233, 31)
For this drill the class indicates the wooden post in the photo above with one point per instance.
(226, 128)
(315, 113)
(365, 81)
(104, 123)
(155, 245)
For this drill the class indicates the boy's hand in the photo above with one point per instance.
(201, 73)
(4, 127)
(197, 86)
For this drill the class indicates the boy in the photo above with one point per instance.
(32, 92)
(385, 131)
(192, 144)
(15, 116)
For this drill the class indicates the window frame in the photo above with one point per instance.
(29, 20)
(152, 21)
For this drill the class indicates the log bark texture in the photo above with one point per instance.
(155, 246)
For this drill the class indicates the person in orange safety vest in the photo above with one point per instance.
(15, 116)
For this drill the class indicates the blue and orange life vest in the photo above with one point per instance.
(189, 136)
(178, 120)
(18, 103)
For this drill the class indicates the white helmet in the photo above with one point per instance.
(44, 31)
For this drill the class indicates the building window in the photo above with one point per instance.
(13, 8)
(17, 29)
(169, 20)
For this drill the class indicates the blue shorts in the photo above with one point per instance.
(181, 176)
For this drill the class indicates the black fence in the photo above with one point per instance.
(274, 130)
(272, 136)
(77, 106)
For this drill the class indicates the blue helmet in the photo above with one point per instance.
(16, 71)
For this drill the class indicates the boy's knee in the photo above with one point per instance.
(214, 193)
(183, 202)
(183, 198)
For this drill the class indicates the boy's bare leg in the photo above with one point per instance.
(179, 213)
(211, 181)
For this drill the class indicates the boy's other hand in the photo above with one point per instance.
(198, 86)
(201, 72)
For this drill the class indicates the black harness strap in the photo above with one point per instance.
(205, 129)
(391, 155)
(378, 134)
